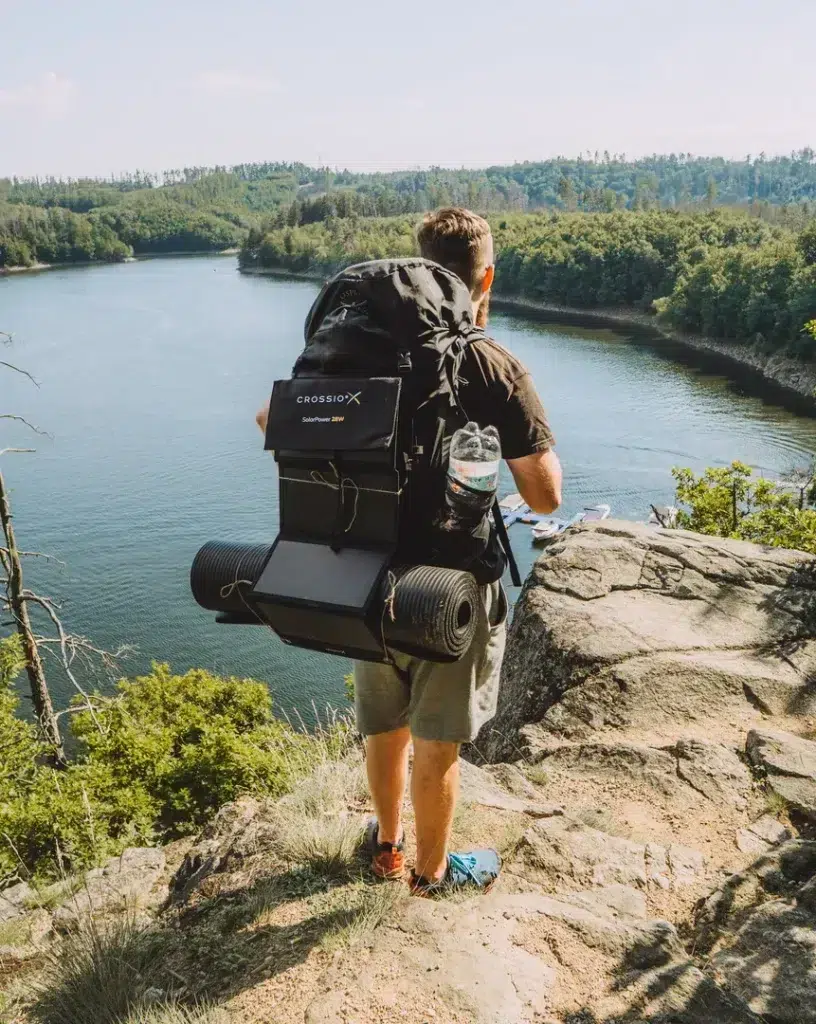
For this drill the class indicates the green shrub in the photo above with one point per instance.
(189, 743)
(730, 502)
(155, 761)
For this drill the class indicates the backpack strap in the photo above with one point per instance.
(504, 540)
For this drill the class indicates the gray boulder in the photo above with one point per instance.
(790, 766)
(15, 900)
(23, 938)
(125, 884)
(477, 786)
(237, 833)
(715, 771)
(667, 633)
(761, 835)
(564, 852)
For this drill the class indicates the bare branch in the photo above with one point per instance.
(19, 451)
(6, 338)
(71, 647)
(76, 709)
(80, 646)
(25, 373)
(34, 554)
(50, 610)
(22, 419)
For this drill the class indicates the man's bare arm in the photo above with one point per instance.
(538, 478)
(262, 417)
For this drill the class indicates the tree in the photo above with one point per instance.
(293, 216)
(18, 598)
(711, 193)
(730, 502)
(567, 193)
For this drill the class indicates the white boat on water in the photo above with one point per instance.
(514, 509)
(551, 526)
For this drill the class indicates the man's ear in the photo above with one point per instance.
(487, 280)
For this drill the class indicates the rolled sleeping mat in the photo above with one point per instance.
(223, 574)
(430, 612)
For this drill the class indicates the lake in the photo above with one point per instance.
(151, 374)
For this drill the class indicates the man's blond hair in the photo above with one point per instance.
(456, 238)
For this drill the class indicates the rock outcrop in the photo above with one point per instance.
(129, 883)
(508, 959)
(655, 632)
(15, 900)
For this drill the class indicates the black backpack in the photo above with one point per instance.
(379, 379)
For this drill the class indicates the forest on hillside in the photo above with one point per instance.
(721, 273)
(203, 209)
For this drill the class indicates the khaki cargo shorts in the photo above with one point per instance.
(449, 703)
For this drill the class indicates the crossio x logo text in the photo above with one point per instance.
(347, 399)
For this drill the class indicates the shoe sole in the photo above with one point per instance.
(453, 889)
(388, 876)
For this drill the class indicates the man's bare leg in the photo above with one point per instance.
(387, 768)
(434, 789)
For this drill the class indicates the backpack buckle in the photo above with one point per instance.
(405, 365)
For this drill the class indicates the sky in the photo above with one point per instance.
(99, 87)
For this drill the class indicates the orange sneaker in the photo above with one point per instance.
(387, 859)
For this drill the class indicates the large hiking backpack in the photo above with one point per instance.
(361, 434)
(412, 320)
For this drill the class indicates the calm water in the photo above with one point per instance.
(150, 377)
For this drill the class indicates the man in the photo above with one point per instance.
(437, 707)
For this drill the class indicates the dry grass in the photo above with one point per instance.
(14, 933)
(115, 973)
(331, 741)
(319, 824)
(538, 774)
(105, 973)
(372, 904)
(327, 845)
(775, 804)
(51, 896)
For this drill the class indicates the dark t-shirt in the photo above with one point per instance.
(496, 388)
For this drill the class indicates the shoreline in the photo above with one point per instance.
(790, 378)
(39, 268)
(300, 275)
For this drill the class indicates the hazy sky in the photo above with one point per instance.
(102, 86)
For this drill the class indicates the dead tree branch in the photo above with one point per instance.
(34, 554)
(22, 419)
(64, 648)
(19, 451)
(70, 647)
(25, 373)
